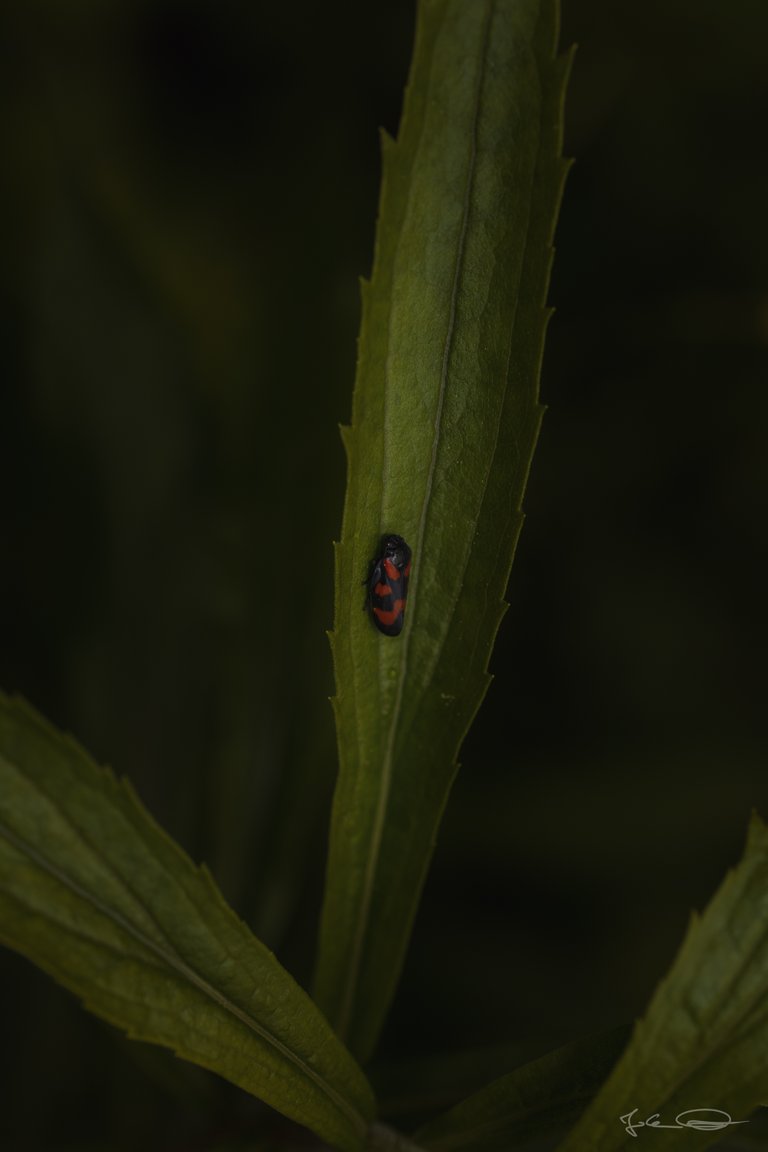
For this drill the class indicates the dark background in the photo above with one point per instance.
(188, 197)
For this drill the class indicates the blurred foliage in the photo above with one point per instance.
(188, 198)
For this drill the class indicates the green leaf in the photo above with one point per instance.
(95, 893)
(445, 418)
(534, 1100)
(703, 1043)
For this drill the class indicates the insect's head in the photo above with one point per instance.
(396, 549)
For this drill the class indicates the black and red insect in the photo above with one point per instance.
(388, 585)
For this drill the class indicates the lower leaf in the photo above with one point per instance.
(96, 893)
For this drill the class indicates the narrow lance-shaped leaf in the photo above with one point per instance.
(94, 892)
(445, 418)
(531, 1103)
(698, 1061)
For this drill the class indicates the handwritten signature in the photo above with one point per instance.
(700, 1119)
